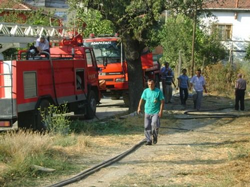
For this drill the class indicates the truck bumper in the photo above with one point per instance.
(115, 89)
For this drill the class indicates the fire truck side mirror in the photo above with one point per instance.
(105, 61)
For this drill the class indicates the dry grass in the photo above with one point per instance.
(72, 144)
(17, 146)
(17, 149)
(215, 153)
(20, 150)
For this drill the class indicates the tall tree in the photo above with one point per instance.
(135, 20)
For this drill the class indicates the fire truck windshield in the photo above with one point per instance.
(105, 49)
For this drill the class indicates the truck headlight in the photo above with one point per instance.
(120, 80)
(102, 73)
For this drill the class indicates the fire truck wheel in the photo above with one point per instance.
(91, 107)
(41, 126)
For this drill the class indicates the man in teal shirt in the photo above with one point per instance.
(153, 111)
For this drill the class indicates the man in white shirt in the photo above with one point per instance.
(198, 83)
(42, 44)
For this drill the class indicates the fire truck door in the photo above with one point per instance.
(92, 74)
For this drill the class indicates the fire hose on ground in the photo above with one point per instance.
(85, 173)
(96, 168)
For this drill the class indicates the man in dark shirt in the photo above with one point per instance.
(168, 82)
(240, 87)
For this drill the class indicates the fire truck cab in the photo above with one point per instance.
(69, 76)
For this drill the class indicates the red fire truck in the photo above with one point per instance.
(115, 72)
(70, 76)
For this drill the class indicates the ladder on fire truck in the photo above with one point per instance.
(6, 89)
(19, 35)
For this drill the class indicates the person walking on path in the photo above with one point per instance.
(240, 87)
(169, 90)
(198, 83)
(163, 72)
(183, 84)
(154, 104)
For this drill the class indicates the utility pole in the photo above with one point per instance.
(193, 39)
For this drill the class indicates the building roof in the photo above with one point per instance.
(228, 4)
(15, 5)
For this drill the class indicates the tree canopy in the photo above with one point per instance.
(134, 21)
(91, 21)
(134, 18)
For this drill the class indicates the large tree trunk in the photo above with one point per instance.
(135, 75)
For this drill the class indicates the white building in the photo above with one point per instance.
(232, 22)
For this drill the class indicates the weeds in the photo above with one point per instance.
(226, 75)
(23, 143)
(220, 74)
(23, 149)
(20, 151)
(230, 155)
(240, 153)
(55, 119)
(65, 141)
(19, 148)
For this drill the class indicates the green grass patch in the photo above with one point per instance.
(65, 141)
(113, 126)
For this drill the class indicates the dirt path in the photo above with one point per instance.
(191, 152)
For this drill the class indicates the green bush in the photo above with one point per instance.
(55, 119)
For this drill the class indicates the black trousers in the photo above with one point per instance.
(239, 98)
(183, 95)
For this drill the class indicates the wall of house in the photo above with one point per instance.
(240, 31)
